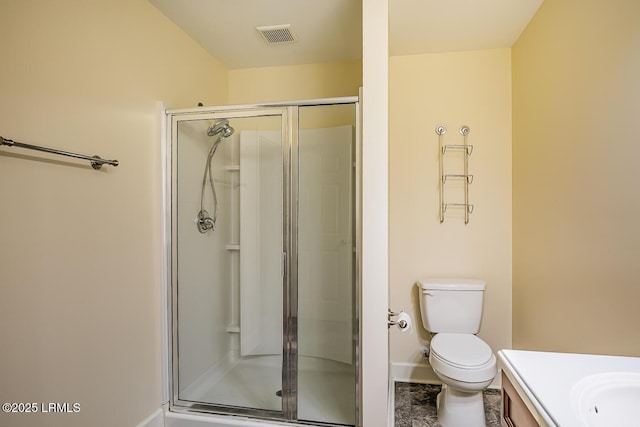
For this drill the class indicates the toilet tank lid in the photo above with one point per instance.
(452, 283)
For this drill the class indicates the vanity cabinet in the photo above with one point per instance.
(514, 411)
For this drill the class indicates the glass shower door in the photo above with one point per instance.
(227, 228)
(326, 282)
(264, 262)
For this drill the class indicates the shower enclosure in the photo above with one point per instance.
(264, 260)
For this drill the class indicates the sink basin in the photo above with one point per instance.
(608, 399)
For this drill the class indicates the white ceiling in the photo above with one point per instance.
(331, 30)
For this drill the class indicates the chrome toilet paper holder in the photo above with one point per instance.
(402, 324)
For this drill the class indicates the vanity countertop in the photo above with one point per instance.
(544, 380)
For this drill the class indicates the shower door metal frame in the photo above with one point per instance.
(289, 144)
(216, 113)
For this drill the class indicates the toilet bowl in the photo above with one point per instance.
(466, 365)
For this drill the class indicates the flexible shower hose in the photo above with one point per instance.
(204, 221)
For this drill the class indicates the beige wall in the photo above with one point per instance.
(576, 145)
(80, 264)
(453, 89)
(295, 82)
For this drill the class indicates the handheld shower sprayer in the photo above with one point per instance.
(221, 126)
(204, 222)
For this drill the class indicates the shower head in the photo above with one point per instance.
(221, 126)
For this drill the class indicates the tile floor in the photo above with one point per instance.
(415, 405)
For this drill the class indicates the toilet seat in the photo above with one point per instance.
(461, 350)
(463, 357)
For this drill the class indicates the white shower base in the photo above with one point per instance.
(326, 391)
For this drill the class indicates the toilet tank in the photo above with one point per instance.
(451, 305)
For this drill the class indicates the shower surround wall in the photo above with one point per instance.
(259, 217)
(203, 261)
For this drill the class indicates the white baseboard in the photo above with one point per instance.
(154, 420)
(413, 373)
(423, 374)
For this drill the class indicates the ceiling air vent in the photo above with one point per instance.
(278, 34)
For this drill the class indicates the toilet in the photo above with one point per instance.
(452, 309)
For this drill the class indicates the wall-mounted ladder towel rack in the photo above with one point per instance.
(465, 176)
(96, 161)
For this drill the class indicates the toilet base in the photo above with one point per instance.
(460, 409)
